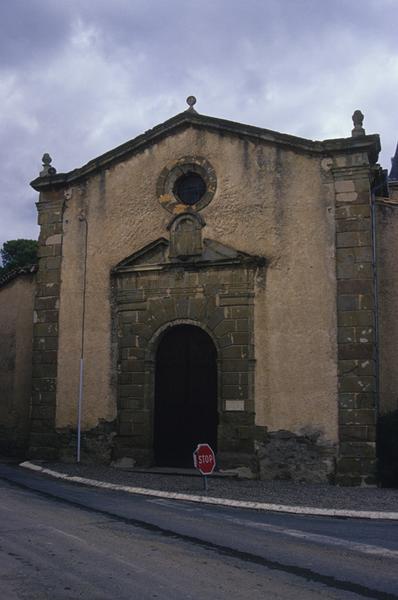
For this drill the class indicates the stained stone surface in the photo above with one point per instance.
(284, 455)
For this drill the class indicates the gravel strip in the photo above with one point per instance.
(275, 492)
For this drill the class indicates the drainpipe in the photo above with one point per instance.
(82, 219)
(373, 215)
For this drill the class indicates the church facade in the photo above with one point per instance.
(210, 281)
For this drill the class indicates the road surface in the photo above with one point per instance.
(63, 541)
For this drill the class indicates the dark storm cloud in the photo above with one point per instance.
(30, 30)
(79, 77)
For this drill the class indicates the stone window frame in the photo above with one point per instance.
(171, 173)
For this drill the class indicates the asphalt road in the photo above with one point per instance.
(63, 541)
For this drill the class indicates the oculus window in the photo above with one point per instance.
(188, 183)
(189, 188)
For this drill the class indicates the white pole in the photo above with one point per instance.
(82, 218)
(79, 409)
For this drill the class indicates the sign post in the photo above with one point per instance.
(205, 461)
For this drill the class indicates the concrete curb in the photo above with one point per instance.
(300, 510)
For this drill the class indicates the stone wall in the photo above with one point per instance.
(217, 299)
(43, 443)
(16, 325)
(96, 445)
(305, 458)
(387, 265)
(356, 323)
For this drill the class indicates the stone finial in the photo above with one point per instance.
(191, 101)
(357, 119)
(47, 168)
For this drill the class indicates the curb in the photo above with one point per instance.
(263, 506)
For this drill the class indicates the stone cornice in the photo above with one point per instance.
(369, 144)
(351, 172)
(50, 204)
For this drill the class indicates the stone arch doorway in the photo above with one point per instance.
(185, 395)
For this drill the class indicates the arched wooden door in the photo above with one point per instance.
(185, 395)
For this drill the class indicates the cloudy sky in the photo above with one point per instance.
(78, 77)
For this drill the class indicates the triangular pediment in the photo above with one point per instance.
(215, 251)
(155, 253)
(155, 256)
(188, 118)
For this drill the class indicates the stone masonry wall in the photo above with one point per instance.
(284, 455)
(355, 316)
(45, 330)
(16, 324)
(221, 302)
(387, 265)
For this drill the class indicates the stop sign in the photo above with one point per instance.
(204, 459)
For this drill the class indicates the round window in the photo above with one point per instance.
(187, 185)
(189, 188)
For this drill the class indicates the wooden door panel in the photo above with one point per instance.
(185, 395)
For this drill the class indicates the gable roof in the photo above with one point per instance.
(189, 118)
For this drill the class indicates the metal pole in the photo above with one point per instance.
(83, 219)
(205, 483)
(373, 214)
(79, 409)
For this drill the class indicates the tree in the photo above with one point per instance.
(18, 253)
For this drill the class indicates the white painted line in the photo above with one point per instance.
(319, 538)
(301, 510)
